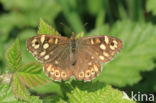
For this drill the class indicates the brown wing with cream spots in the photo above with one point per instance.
(58, 71)
(93, 51)
(46, 47)
(102, 48)
(86, 67)
(60, 67)
(54, 52)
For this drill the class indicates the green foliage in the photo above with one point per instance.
(73, 17)
(6, 95)
(148, 85)
(150, 6)
(137, 54)
(80, 35)
(23, 16)
(106, 94)
(48, 88)
(80, 92)
(14, 56)
(99, 9)
(19, 89)
(28, 75)
(46, 29)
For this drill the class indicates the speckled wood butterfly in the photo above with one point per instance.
(63, 57)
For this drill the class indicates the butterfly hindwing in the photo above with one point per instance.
(58, 72)
(86, 68)
(59, 68)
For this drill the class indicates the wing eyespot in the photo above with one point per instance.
(112, 43)
(36, 42)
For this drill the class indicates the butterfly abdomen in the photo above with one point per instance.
(73, 51)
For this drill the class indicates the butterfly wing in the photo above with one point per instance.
(94, 50)
(54, 52)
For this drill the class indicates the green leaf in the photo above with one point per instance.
(147, 85)
(13, 56)
(9, 22)
(135, 57)
(19, 88)
(28, 75)
(23, 36)
(28, 14)
(4, 64)
(35, 99)
(6, 95)
(20, 91)
(31, 75)
(96, 93)
(50, 87)
(71, 15)
(33, 68)
(98, 5)
(46, 29)
(81, 34)
(150, 6)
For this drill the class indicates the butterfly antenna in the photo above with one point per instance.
(85, 24)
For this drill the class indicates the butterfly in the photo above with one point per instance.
(64, 57)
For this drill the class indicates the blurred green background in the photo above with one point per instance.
(133, 21)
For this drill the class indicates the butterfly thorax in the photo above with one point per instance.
(73, 37)
(73, 43)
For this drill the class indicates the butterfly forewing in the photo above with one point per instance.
(102, 48)
(44, 47)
